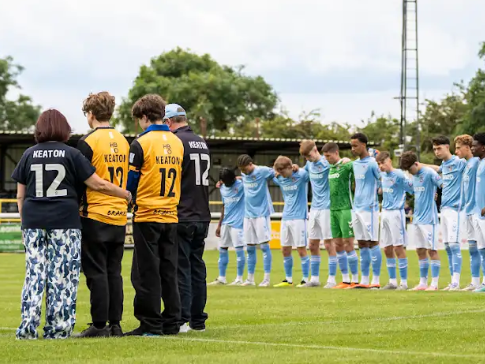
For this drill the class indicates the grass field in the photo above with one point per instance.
(268, 325)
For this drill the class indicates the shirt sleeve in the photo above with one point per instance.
(20, 174)
(440, 169)
(307, 167)
(84, 168)
(462, 165)
(135, 163)
(268, 172)
(436, 179)
(276, 182)
(304, 175)
(85, 149)
(375, 171)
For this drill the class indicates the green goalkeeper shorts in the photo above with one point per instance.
(341, 224)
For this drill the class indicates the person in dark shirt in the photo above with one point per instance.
(194, 219)
(47, 178)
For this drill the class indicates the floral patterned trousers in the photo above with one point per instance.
(52, 263)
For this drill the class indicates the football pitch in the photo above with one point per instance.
(270, 325)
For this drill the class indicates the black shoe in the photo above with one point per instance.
(137, 332)
(92, 331)
(115, 331)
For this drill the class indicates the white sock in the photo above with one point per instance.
(355, 278)
(476, 281)
(393, 281)
(375, 279)
(266, 276)
(364, 280)
(222, 279)
(423, 281)
(239, 278)
(315, 279)
(331, 279)
(456, 278)
(434, 281)
(289, 279)
(250, 277)
(404, 282)
(346, 278)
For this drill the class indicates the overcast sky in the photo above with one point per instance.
(339, 56)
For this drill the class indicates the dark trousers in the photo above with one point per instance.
(154, 275)
(192, 273)
(102, 250)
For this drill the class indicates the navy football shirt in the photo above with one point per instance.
(52, 172)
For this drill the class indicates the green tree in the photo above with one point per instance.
(382, 130)
(19, 114)
(215, 95)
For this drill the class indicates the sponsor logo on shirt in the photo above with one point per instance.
(334, 175)
(419, 189)
(316, 176)
(359, 176)
(290, 188)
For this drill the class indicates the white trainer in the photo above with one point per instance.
(237, 282)
(185, 328)
(329, 285)
(217, 282)
(247, 282)
(264, 283)
(470, 287)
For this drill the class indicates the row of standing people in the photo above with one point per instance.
(73, 205)
(345, 206)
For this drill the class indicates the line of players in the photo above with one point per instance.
(345, 205)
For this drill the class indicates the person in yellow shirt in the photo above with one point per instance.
(154, 179)
(103, 217)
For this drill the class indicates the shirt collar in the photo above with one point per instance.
(156, 127)
(183, 128)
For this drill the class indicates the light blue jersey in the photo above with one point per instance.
(295, 194)
(256, 193)
(367, 181)
(425, 183)
(318, 172)
(233, 200)
(452, 174)
(394, 188)
(469, 176)
(480, 189)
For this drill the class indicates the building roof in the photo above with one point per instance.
(228, 143)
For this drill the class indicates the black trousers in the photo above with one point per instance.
(102, 249)
(192, 273)
(154, 275)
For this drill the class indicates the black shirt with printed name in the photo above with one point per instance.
(51, 172)
(194, 198)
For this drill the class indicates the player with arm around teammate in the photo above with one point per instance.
(258, 209)
(319, 222)
(463, 149)
(230, 227)
(48, 176)
(365, 219)
(294, 187)
(393, 220)
(425, 219)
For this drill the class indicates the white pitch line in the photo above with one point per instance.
(327, 347)
(379, 319)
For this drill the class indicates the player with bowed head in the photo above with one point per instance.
(48, 176)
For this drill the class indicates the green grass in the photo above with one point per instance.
(268, 325)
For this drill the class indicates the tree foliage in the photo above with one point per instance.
(19, 114)
(219, 95)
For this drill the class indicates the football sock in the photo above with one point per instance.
(403, 270)
(288, 264)
(457, 260)
(241, 261)
(266, 257)
(474, 262)
(223, 261)
(423, 270)
(435, 272)
(391, 269)
(342, 262)
(315, 267)
(251, 260)
(305, 267)
(450, 257)
(353, 264)
(332, 268)
(376, 258)
(365, 265)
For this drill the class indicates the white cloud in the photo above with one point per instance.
(70, 48)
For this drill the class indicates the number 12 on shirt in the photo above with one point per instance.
(172, 173)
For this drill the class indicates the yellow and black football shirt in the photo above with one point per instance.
(155, 175)
(107, 150)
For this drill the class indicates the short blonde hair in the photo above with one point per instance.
(464, 139)
(282, 162)
(306, 146)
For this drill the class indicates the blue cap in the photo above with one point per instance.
(172, 110)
